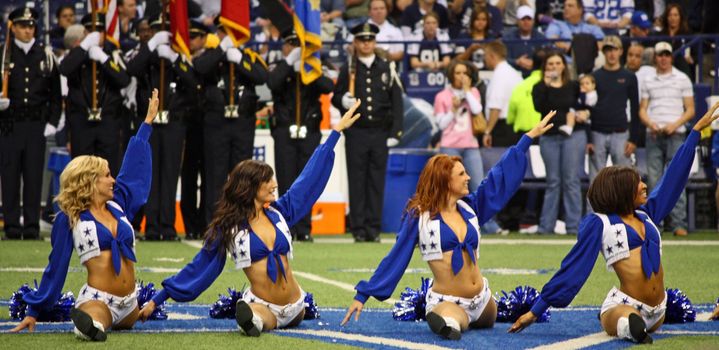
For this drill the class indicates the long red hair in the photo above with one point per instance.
(433, 185)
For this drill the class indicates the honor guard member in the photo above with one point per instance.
(296, 132)
(158, 66)
(29, 112)
(193, 215)
(93, 106)
(229, 75)
(373, 80)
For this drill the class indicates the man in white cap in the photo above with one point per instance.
(521, 41)
(667, 105)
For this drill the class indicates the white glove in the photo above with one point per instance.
(294, 56)
(90, 40)
(4, 103)
(158, 39)
(391, 142)
(96, 54)
(296, 66)
(234, 55)
(226, 43)
(49, 130)
(348, 100)
(165, 51)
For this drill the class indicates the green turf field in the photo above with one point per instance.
(692, 268)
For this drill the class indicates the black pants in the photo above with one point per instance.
(366, 151)
(193, 214)
(291, 155)
(22, 154)
(227, 143)
(503, 135)
(166, 142)
(99, 138)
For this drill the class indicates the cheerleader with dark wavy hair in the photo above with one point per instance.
(622, 228)
(253, 226)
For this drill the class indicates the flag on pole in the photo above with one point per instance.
(180, 27)
(235, 18)
(307, 25)
(112, 22)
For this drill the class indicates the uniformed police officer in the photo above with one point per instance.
(95, 128)
(229, 108)
(193, 210)
(366, 144)
(295, 143)
(179, 99)
(28, 114)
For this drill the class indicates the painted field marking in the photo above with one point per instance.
(499, 241)
(80, 269)
(310, 276)
(578, 343)
(365, 339)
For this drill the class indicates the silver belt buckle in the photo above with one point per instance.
(232, 112)
(94, 115)
(163, 117)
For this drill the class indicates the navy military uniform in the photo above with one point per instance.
(229, 130)
(366, 143)
(30, 110)
(180, 97)
(89, 136)
(294, 144)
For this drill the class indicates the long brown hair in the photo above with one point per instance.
(473, 17)
(565, 72)
(433, 185)
(237, 202)
(613, 190)
(664, 20)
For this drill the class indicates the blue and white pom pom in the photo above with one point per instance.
(679, 307)
(145, 293)
(311, 311)
(518, 302)
(60, 312)
(226, 305)
(412, 303)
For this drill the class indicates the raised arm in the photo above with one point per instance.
(573, 273)
(133, 182)
(54, 276)
(307, 188)
(504, 178)
(665, 195)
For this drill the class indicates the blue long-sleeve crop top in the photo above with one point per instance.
(89, 237)
(496, 189)
(579, 262)
(207, 265)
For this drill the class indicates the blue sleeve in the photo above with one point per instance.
(307, 188)
(55, 273)
(132, 186)
(502, 181)
(196, 277)
(554, 30)
(575, 269)
(384, 280)
(665, 195)
(597, 32)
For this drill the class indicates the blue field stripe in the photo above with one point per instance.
(565, 325)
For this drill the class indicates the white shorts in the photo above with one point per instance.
(284, 314)
(472, 307)
(650, 314)
(120, 307)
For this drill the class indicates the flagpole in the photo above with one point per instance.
(93, 115)
(161, 107)
(297, 102)
(6, 61)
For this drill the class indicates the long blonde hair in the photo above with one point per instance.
(78, 184)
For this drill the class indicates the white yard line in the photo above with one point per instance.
(365, 339)
(577, 343)
(500, 241)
